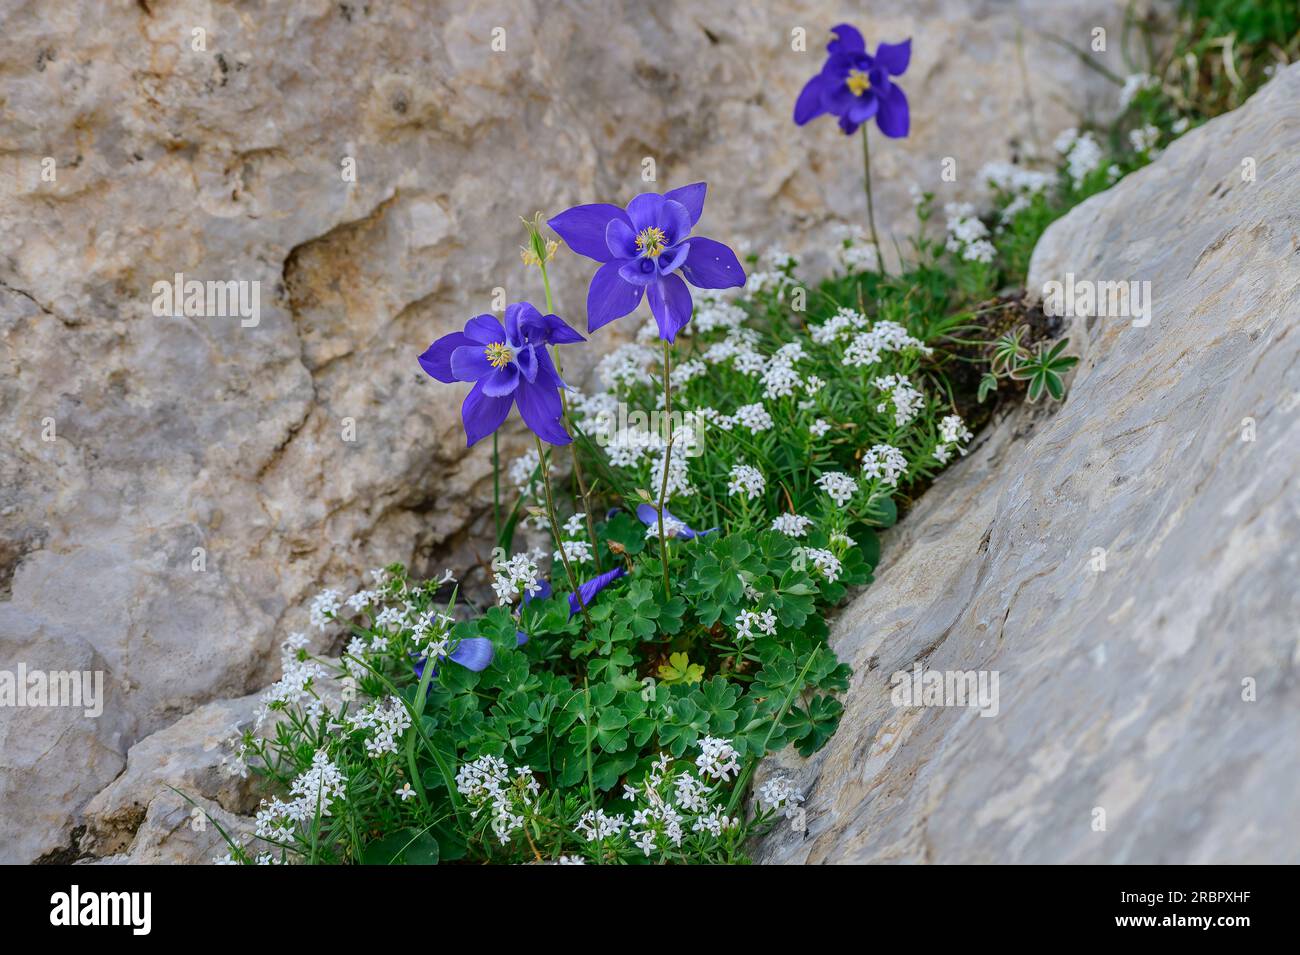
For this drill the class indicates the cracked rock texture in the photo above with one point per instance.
(196, 487)
(1164, 690)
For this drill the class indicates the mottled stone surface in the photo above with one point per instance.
(226, 163)
(1123, 689)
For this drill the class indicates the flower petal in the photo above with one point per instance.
(583, 228)
(894, 57)
(809, 104)
(711, 264)
(484, 329)
(588, 589)
(675, 221)
(610, 297)
(524, 323)
(558, 331)
(893, 117)
(845, 39)
(546, 370)
(539, 404)
(644, 210)
(483, 414)
(620, 240)
(526, 359)
(436, 359)
(638, 271)
(670, 304)
(692, 197)
(672, 259)
(501, 382)
(473, 653)
(470, 363)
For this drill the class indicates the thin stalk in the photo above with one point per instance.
(496, 487)
(663, 484)
(555, 531)
(871, 212)
(573, 448)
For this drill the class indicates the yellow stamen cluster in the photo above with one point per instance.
(858, 82)
(651, 241)
(498, 354)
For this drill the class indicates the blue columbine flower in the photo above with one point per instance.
(588, 590)
(643, 248)
(855, 86)
(473, 653)
(648, 515)
(509, 365)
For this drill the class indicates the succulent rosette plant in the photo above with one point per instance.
(647, 251)
(509, 365)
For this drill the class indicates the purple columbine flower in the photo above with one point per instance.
(588, 590)
(473, 653)
(509, 365)
(642, 250)
(855, 86)
(648, 515)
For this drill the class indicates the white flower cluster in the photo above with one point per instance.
(596, 824)
(780, 380)
(746, 480)
(515, 576)
(626, 366)
(679, 478)
(294, 688)
(388, 719)
(906, 399)
(855, 250)
(1145, 139)
(823, 561)
(486, 782)
(755, 417)
(968, 236)
(866, 347)
(315, 790)
(672, 527)
(522, 471)
(885, 463)
(791, 525)
(780, 793)
(839, 486)
(718, 759)
(576, 551)
(1009, 178)
(952, 434)
(323, 608)
(1082, 153)
(1135, 83)
(749, 620)
(713, 313)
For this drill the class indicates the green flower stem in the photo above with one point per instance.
(496, 487)
(555, 530)
(871, 213)
(573, 448)
(663, 484)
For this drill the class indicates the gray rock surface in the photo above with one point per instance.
(227, 163)
(1162, 690)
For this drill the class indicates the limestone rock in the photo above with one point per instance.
(1147, 711)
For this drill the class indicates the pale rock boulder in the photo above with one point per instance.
(199, 486)
(1148, 711)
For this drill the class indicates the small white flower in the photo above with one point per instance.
(748, 481)
(717, 759)
(885, 463)
(574, 526)
(792, 525)
(839, 486)
(405, 791)
(818, 428)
